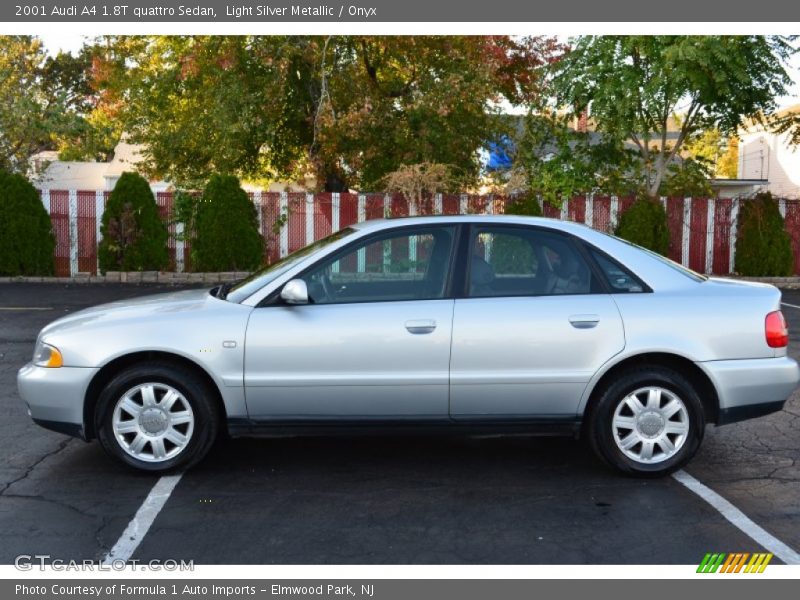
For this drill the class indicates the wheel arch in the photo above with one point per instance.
(703, 384)
(110, 369)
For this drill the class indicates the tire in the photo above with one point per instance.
(621, 437)
(157, 417)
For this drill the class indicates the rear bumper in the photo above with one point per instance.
(751, 388)
(55, 397)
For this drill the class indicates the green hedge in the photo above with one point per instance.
(26, 234)
(226, 236)
(525, 204)
(645, 224)
(134, 235)
(763, 247)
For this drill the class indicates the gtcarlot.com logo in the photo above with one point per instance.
(737, 562)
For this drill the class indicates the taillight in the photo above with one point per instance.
(776, 330)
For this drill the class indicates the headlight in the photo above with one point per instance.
(46, 355)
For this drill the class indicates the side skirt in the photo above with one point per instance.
(568, 427)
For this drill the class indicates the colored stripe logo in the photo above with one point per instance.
(737, 562)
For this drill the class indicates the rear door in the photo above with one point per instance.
(534, 327)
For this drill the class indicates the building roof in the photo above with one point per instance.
(788, 110)
(72, 175)
(722, 182)
(127, 156)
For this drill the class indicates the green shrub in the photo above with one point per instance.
(763, 247)
(526, 204)
(26, 234)
(134, 236)
(226, 236)
(645, 224)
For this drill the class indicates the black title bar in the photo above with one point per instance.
(494, 11)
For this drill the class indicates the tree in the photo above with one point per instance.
(26, 119)
(419, 183)
(43, 101)
(719, 152)
(134, 236)
(349, 109)
(787, 121)
(86, 133)
(633, 85)
(687, 177)
(557, 161)
(728, 165)
(26, 236)
(226, 236)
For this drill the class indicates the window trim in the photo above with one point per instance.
(570, 239)
(273, 299)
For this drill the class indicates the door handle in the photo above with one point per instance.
(584, 321)
(418, 326)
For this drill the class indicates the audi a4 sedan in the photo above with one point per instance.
(462, 324)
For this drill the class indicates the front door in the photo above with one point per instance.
(372, 344)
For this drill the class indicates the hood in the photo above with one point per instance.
(156, 305)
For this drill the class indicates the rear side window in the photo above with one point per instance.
(620, 280)
(519, 261)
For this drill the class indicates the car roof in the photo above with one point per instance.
(378, 224)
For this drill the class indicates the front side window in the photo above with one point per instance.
(246, 287)
(527, 262)
(412, 264)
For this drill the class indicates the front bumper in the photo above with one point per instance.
(55, 397)
(751, 388)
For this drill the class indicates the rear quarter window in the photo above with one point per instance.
(620, 279)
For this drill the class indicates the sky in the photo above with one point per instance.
(73, 42)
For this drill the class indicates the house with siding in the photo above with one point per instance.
(769, 156)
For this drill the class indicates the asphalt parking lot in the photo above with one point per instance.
(375, 500)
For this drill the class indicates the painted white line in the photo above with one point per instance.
(26, 308)
(136, 530)
(739, 519)
(790, 305)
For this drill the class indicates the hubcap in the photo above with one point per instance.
(650, 425)
(153, 422)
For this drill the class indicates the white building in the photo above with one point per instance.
(768, 156)
(49, 173)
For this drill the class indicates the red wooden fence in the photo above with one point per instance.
(702, 230)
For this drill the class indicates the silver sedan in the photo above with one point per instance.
(441, 324)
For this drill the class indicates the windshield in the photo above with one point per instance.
(246, 287)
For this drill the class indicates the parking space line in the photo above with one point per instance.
(140, 524)
(789, 305)
(739, 519)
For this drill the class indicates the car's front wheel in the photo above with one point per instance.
(648, 422)
(157, 417)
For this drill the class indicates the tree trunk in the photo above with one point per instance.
(661, 169)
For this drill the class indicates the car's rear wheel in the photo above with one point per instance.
(157, 417)
(647, 422)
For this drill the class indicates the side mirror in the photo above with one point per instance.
(295, 292)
